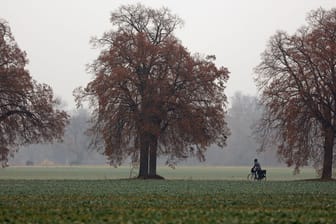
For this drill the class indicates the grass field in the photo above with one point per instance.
(181, 172)
(66, 195)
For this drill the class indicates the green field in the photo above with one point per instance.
(96, 195)
(181, 172)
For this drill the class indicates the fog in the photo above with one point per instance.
(56, 34)
(241, 146)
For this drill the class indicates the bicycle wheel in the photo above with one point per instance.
(250, 177)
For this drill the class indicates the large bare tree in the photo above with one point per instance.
(149, 95)
(297, 80)
(28, 110)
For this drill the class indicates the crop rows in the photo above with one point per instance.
(134, 201)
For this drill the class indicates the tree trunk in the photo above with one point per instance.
(143, 168)
(328, 154)
(153, 157)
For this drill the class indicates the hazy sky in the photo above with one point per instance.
(56, 33)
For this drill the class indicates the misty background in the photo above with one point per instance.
(56, 35)
(241, 147)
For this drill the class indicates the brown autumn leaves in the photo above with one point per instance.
(28, 110)
(150, 97)
(150, 93)
(297, 80)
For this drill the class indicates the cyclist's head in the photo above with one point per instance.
(255, 160)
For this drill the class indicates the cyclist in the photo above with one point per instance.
(256, 168)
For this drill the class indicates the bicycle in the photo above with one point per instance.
(259, 175)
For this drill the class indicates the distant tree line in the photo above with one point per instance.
(73, 150)
(243, 113)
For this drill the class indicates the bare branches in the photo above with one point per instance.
(150, 92)
(28, 112)
(157, 25)
(297, 80)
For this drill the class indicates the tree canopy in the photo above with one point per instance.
(28, 111)
(297, 80)
(150, 96)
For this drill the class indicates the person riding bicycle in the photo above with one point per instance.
(256, 168)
